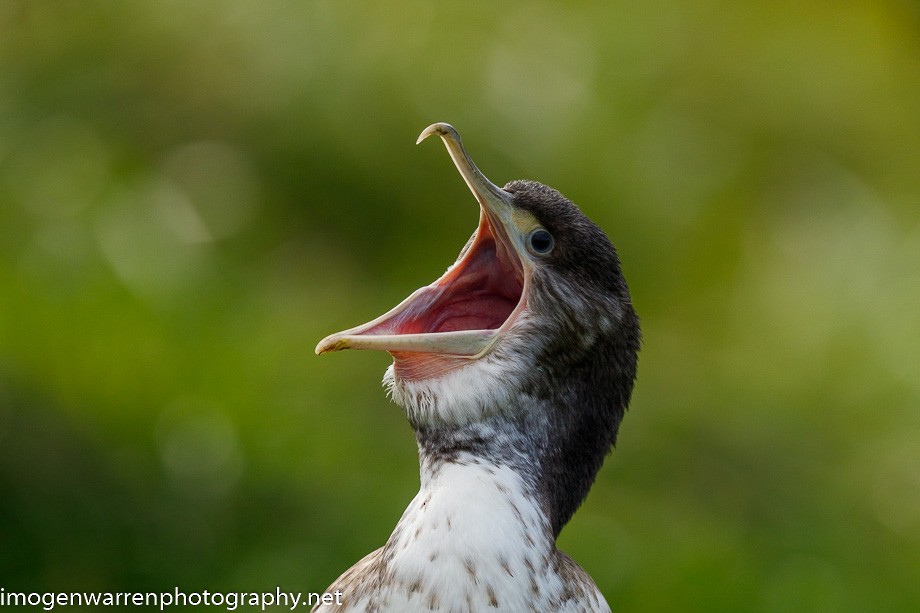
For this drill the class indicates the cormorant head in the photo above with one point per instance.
(535, 307)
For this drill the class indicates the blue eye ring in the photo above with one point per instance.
(540, 242)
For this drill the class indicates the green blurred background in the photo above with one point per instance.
(192, 194)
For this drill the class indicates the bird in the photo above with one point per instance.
(514, 369)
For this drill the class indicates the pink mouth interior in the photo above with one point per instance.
(479, 293)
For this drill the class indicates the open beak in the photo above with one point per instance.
(464, 313)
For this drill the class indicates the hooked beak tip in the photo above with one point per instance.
(440, 128)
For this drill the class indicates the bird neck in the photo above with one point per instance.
(482, 503)
(473, 524)
(498, 454)
(554, 440)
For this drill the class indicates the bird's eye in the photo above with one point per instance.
(540, 242)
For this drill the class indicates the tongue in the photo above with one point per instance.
(483, 312)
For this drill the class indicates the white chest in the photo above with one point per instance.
(471, 540)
